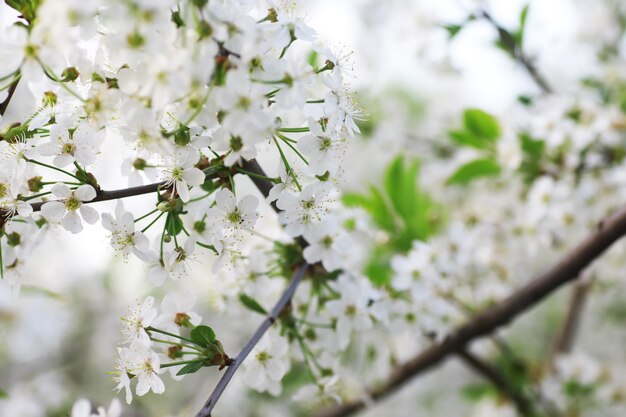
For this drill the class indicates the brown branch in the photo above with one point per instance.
(486, 322)
(264, 187)
(5, 104)
(103, 195)
(499, 381)
(284, 300)
(509, 43)
(565, 339)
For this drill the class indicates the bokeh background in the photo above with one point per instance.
(58, 338)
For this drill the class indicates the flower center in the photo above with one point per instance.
(325, 143)
(236, 143)
(235, 216)
(327, 241)
(73, 203)
(69, 148)
(263, 357)
(177, 174)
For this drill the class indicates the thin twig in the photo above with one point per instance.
(567, 269)
(493, 375)
(284, 300)
(565, 339)
(103, 195)
(5, 104)
(507, 40)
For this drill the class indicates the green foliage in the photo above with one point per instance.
(578, 391)
(475, 169)
(480, 130)
(190, 368)
(252, 304)
(174, 224)
(3, 394)
(203, 336)
(519, 34)
(532, 160)
(476, 392)
(401, 209)
(26, 8)
(452, 29)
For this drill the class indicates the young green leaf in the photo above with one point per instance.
(453, 29)
(190, 368)
(473, 170)
(174, 224)
(251, 304)
(481, 124)
(203, 336)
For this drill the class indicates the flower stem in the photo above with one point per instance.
(168, 365)
(152, 329)
(32, 161)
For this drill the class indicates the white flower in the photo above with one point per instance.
(82, 408)
(321, 393)
(267, 364)
(182, 174)
(67, 211)
(81, 145)
(303, 210)
(147, 373)
(134, 325)
(327, 243)
(124, 365)
(124, 238)
(351, 310)
(176, 312)
(232, 216)
(10, 201)
(322, 148)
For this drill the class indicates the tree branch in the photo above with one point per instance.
(284, 300)
(5, 104)
(264, 187)
(565, 339)
(486, 322)
(493, 375)
(507, 40)
(114, 194)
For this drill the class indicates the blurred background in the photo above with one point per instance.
(413, 80)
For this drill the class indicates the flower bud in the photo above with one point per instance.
(13, 239)
(182, 136)
(182, 320)
(35, 184)
(49, 98)
(167, 206)
(140, 164)
(69, 74)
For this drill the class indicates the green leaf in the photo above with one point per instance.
(476, 392)
(522, 26)
(252, 304)
(190, 368)
(465, 138)
(378, 269)
(174, 224)
(3, 394)
(209, 185)
(453, 29)
(473, 170)
(375, 205)
(203, 336)
(313, 59)
(481, 124)
(532, 160)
